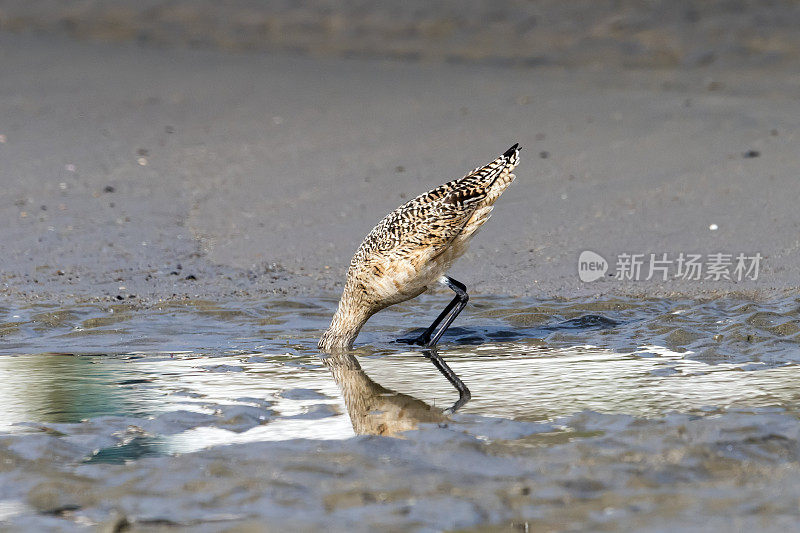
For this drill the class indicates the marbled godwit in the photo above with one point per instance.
(411, 249)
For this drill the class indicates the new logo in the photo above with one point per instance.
(591, 266)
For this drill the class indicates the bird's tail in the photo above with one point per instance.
(485, 184)
(506, 164)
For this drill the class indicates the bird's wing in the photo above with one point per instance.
(410, 228)
(432, 220)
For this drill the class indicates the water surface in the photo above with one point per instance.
(123, 385)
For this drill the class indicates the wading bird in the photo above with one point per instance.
(412, 248)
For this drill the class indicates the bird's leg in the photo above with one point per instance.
(463, 392)
(425, 338)
(448, 315)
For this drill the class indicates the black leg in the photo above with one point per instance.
(425, 338)
(463, 392)
(428, 339)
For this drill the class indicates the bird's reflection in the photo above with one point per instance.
(376, 410)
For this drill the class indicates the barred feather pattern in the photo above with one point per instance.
(412, 247)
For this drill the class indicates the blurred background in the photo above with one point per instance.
(631, 33)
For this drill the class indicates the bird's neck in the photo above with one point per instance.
(344, 328)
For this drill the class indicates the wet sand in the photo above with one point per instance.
(686, 474)
(153, 173)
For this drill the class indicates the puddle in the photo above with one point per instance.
(118, 393)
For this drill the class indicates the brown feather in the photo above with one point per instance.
(414, 245)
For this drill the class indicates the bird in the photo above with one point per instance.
(411, 249)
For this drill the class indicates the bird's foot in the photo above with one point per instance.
(422, 340)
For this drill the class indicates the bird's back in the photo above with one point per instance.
(414, 244)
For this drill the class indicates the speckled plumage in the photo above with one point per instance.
(414, 245)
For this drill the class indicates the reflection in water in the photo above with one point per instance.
(155, 404)
(373, 409)
(463, 392)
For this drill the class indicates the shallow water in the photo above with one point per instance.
(118, 384)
